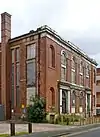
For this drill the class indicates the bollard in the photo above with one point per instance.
(29, 127)
(12, 129)
(67, 121)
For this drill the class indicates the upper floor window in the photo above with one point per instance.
(63, 59)
(31, 51)
(52, 55)
(17, 55)
(81, 67)
(13, 55)
(31, 65)
(73, 72)
(63, 65)
(73, 63)
(87, 70)
(94, 75)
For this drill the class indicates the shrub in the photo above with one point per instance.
(36, 111)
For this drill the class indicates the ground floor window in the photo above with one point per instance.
(63, 102)
(88, 102)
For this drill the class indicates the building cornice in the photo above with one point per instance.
(54, 34)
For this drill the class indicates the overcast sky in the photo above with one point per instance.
(75, 20)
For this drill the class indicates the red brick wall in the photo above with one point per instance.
(48, 74)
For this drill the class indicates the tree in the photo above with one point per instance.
(36, 111)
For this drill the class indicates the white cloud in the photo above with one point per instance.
(75, 20)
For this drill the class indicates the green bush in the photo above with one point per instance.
(36, 112)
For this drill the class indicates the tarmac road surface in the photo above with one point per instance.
(89, 133)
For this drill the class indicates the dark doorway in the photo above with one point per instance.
(63, 102)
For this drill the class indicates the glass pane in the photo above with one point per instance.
(17, 74)
(17, 54)
(81, 79)
(33, 51)
(63, 59)
(73, 77)
(73, 63)
(17, 97)
(28, 52)
(31, 75)
(73, 99)
(13, 53)
(63, 73)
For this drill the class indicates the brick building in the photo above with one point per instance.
(98, 91)
(41, 62)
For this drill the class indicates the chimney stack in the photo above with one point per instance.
(5, 27)
(5, 36)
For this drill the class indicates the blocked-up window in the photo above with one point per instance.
(52, 56)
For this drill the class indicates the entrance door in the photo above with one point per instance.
(63, 102)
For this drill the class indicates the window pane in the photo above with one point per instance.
(73, 77)
(31, 73)
(13, 53)
(73, 63)
(63, 73)
(17, 54)
(88, 102)
(73, 99)
(28, 52)
(17, 97)
(33, 51)
(63, 59)
(81, 79)
(17, 74)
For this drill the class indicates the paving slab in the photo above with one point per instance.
(5, 127)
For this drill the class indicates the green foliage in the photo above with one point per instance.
(66, 119)
(36, 112)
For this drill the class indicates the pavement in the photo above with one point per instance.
(5, 127)
(47, 130)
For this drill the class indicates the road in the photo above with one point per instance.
(89, 133)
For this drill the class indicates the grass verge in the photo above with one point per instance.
(17, 134)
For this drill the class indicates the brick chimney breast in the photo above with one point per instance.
(5, 36)
(5, 27)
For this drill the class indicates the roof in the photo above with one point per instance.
(52, 32)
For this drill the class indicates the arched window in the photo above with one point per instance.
(63, 65)
(87, 70)
(52, 96)
(81, 66)
(73, 63)
(94, 75)
(73, 73)
(52, 51)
